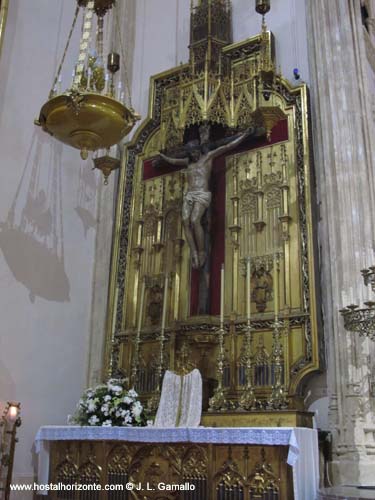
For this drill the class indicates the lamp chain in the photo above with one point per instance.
(65, 51)
(84, 45)
(99, 38)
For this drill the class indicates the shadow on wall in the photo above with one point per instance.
(7, 384)
(31, 238)
(86, 198)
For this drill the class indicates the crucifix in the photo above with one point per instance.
(198, 160)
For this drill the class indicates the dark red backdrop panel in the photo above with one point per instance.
(279, 133)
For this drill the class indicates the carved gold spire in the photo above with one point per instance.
(210, 31)
(223, 84)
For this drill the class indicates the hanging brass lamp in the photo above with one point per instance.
(92, 113)
(267, 113)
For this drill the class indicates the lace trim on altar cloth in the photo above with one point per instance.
(216, 435)
(181, 400)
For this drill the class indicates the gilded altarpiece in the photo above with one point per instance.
(262, 205)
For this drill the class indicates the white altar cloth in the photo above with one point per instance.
(302, 456)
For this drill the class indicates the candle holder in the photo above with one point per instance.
(153, 402)
(248, 400)
(9, 423)
(278, 399)
(369, 277)
(137, 340)
(361, 320)
(218, 402)
(135, 361)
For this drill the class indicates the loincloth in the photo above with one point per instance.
(201, 197)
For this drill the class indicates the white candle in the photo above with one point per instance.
(248, 290)
(276, 285)
(165, 303)
(351, 296)
(344, 298)
(88, 79)
(119, 90)
(59, 82)
(370, 258)
(222, 296)
(140, 313)
(115, 303)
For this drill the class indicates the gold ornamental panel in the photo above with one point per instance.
(206, 472)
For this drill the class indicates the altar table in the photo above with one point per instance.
(300, 445)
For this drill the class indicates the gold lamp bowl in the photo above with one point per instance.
(86, 121)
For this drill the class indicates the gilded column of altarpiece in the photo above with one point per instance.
(3, 19)
(262, 203)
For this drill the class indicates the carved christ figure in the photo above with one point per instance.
(197, 198)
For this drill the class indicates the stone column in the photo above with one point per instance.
(369, 5)
(344, 164)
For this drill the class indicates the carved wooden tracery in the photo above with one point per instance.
(215, 472)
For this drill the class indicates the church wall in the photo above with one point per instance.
(44, 295)
(287, 21)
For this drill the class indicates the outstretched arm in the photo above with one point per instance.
(232, 145)
(178, 162)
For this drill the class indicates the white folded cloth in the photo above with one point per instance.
(181, 400)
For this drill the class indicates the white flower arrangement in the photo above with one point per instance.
(110, 405)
